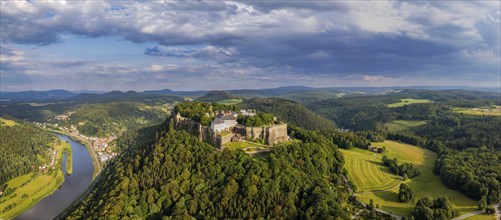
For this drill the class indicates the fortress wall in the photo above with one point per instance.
(203, 133)
(272, 134)
(222, 140)
(252, 133)
(277, 133)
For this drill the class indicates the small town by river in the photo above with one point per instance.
(71, 189)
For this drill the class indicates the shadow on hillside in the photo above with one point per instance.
(383, 169)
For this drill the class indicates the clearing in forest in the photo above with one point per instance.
(408, 102)
(494, 110)
(375, 181)
(229, 101)
(402, 125)
(7, 122)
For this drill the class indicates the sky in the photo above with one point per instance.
(203, 45)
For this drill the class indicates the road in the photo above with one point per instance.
(495, 206)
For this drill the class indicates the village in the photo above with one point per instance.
(100, 145)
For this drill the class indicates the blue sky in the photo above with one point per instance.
(191, 45)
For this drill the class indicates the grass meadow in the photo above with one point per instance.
(229, 101)
(7, 122)
(30, 188)
(402, 125)
(408, 102)
(375, 181)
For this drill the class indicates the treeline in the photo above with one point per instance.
(405, 193)
(104, 119)
(406, 170)
(475, 172)
(289, 111)
(455, 130)
(179, 176)
(430, 209)
(201, 111)
(260, 119)
(21, 147)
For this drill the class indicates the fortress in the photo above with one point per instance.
(224, 129)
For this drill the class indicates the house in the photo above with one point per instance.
(223, 122)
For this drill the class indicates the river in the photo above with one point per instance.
(73, 186)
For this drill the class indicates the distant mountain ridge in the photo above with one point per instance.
(37, 95)
(296, 93)
(217, 95)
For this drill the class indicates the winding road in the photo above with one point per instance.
(495, 206)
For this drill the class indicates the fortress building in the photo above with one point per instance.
(224, 129)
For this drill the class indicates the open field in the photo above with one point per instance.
(244, 144)
(229, 101)
(402, 125)
(29, 191)
(408, 102)
(7, 122)
(30, 188)
(489, 111)
(249, 147)
(374, 181)
(483, 216)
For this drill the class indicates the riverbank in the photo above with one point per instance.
(23, 192)
(96, 162)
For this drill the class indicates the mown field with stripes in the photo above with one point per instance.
(375, 181)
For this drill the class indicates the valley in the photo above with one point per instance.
(228, 125)
(203, 109)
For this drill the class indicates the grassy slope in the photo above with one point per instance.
(402, 125)
(408, 102)
(483, 216)
(37, 188)
(7, 122)
(480, 111)
(426, 184)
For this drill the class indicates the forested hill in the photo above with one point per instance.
(21, 147)
(179, 176)
(290, 112)
(104, 119)
(216, 95)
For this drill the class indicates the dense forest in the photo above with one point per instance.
(468, 145)
(46, 110)
(475, 172)
(289, 111)
(434, 209)
(260, 119)
(202, 112)
(21, 146)
(181, 177)
(104, 119)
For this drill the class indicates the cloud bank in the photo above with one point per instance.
(217, 44)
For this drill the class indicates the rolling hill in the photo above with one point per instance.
(290, 112)
(217, 95)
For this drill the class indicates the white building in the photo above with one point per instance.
(223, 123)
(247, 112)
